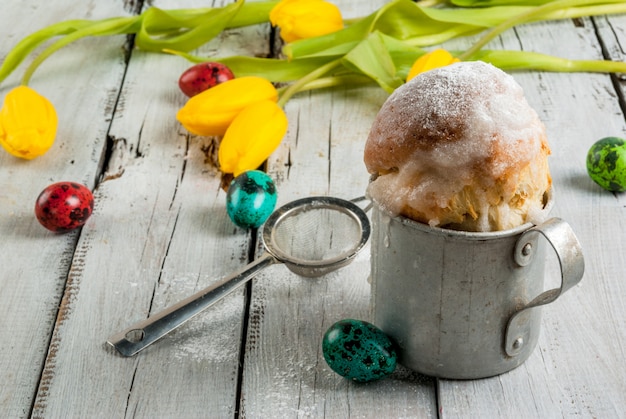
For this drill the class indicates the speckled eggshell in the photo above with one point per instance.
(358, 350)
(64, 206)
(606, 163)
(251, 199)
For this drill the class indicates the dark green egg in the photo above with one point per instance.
(251, 199)
(606, 163)
(358, 350)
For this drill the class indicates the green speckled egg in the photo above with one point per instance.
(358, 350)
(606, 163)
(251, 198)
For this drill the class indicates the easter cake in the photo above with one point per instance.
(459, 147)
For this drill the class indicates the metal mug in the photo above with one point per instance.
(465, 305)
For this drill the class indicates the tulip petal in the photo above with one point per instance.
(212, 111)
(28, 123)
(302, 19)
(252, 136)
(190, 34)
(431, 60)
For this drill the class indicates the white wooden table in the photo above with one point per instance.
(160, 232)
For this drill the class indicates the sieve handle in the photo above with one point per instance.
(144, 333)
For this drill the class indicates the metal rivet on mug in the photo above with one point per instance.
(526, 248)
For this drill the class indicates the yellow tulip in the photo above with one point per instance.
(28, 123)
(212, 111)
(431, 60)
(301, 19)
(252, 136)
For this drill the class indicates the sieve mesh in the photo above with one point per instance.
(317, 234)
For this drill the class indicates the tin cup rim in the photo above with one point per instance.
(548, 199)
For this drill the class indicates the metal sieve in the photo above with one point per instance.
(311, 236)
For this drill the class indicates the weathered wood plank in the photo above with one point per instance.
(577, 368)
(159, 233)
(35, 262)
(612, 34)
(285, 374)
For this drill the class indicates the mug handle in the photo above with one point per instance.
(569, 252)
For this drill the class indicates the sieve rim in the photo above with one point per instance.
(322, 202)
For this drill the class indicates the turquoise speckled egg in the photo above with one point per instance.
(358, 350)
(606, 163)
(251, 198)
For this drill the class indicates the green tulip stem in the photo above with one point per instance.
(105, 27)
(334, 81)
(29, 43)
(534, 14)
(526, 60)
(430, 3)
(298, 85)
(157, 28)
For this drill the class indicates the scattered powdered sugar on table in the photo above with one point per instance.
(214, 334)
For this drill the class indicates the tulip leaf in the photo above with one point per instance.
(491, 3)
(70, 30)
(372, 58)
(408, 21)
(19, 52)
(104, 27)
(273, 69)
(252, 13)
(183, 29)
(161, 29)
(340, 42)
(402, 54)
(334, 44)
(528, 60)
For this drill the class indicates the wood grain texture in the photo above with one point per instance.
(34, 262)
(150, 244)
(285, 374)
(160, 232)
(284, 371)
(577, 368)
